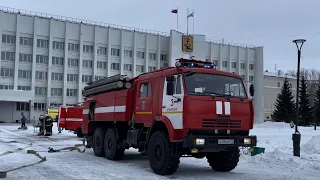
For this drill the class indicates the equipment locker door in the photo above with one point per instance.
(144, 104)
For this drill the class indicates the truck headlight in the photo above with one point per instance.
(200, 141)
(247, 141)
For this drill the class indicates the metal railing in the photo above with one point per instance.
(76, 20)
(102, 24)
(223, 42)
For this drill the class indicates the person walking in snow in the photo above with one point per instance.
(23, 121)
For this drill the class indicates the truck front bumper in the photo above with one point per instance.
(200, 142)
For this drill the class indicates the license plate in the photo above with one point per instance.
(225, 141)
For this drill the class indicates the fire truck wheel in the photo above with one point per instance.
(111, 149)
(79, 133)
(161, 158)
(98, 141)
(224, 161)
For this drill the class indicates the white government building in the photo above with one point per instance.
(48, 59)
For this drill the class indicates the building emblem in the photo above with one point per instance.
(187, 43)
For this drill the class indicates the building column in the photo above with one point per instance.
(147, 54)
(49, 64)
(16, 62)
(80, 65)
(121, 52)
(158, 52)
(220, 59)
(31, 112)
(109, 54)
(95, 54)
(134, 68)
(211, 53)
(65, 65)
(229, 59)
(258, 100)
(238, 61)
(1, 24)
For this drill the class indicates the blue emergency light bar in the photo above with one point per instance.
(194, 63)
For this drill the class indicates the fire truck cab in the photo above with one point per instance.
(191, 109)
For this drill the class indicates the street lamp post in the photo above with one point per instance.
(296, 136)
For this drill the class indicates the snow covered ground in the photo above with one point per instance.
(277, 163)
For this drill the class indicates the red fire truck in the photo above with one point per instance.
(70, 118)
(188, 110)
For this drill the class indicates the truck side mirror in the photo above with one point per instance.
(170, 88)
(251, 90)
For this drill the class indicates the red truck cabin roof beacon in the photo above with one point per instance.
(191, 109)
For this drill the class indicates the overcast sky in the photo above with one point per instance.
(272, 24)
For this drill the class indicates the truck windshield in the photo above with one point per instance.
(214, 85)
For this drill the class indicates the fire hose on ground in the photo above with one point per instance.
(3, 174)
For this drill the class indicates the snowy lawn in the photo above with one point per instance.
(277, 163)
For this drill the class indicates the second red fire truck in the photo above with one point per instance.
(188, 110)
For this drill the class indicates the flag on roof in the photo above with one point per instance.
(175, 11)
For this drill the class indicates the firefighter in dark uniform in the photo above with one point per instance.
(48, 125)
(41, 124)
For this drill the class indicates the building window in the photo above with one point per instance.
(40, 91)
(224, 63)
(56, 91)
(140, 55)
(24, 88)
(127, 67)
(215, 62)
(41, 75)
(39, 106)
(6, 72)
(24, 41)
(101, 65)
(57, 60)
(243, 77)
(97, 78)
(115, 66)
(243, 65)
(250, 78)
(86, 78)
(24, 74)
(251, 66)
(72, 92)
(72, 77)
(207, 60)
(278, 84)
(163, 57)
(22, 106)
(127, 53)
(163, 65)
(87, 63)
(140, 68)
(73, 62)
(25, 57)
(115, 52)
(56, 76)
(41, 59)
(87, 49)
(234, 65)
(9, 39)
(6, 87)
(102, 50)
(151, 68)
(9, 56)
(41, 43)
(152, 56)
(58, 45)
(73, 47)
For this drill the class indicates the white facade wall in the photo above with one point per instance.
(92, 51)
